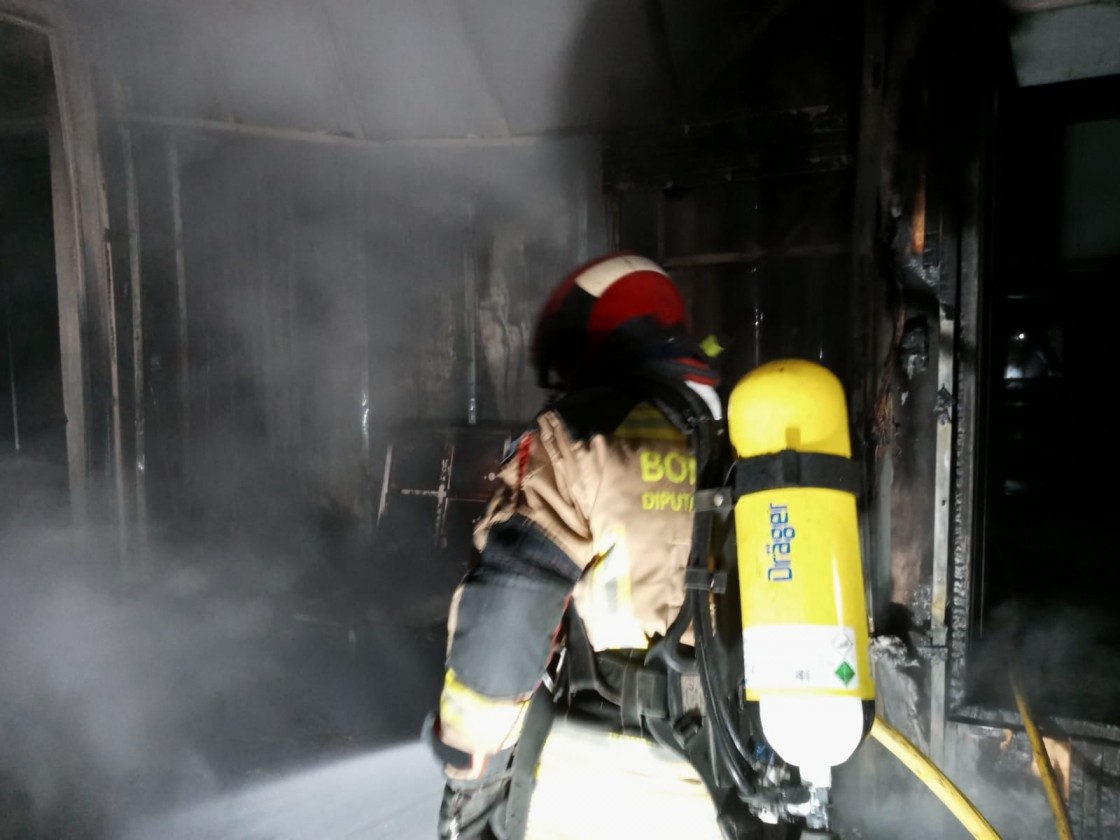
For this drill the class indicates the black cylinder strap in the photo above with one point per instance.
(790, 468)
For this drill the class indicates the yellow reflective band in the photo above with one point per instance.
(609, 606)
(477, 722)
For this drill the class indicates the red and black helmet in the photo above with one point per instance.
(622, 302)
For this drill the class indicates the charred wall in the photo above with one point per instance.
(300, 304)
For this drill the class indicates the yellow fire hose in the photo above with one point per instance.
(940, 784)
(1045, 768)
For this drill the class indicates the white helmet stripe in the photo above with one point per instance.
(599, 277)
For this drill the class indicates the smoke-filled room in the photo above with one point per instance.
(586, 420)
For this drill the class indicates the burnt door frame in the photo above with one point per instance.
(80, 223)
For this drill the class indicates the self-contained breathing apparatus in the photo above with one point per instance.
(776, 688)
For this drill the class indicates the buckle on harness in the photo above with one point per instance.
(695, 578)
(718, 499)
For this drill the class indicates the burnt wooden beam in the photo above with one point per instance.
(743, 148)
(136, 324)
(300, 135)
(824, 249)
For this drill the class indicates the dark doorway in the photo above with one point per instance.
(1050, 573)
(33, 453)
(34, 459)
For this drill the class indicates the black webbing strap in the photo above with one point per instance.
(579, 671)
(620, 677)
(696, 578)
(692, 738)
(683, 726)
(538, 724)
(642, 691)
(790, 468)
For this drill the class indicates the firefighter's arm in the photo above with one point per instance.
(533, 542)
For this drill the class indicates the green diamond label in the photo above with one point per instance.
(801, 657)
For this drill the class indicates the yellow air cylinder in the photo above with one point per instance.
(804, 613)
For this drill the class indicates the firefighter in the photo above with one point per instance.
(547, 719)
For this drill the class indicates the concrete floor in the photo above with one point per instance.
(391, 793)
(228, 680)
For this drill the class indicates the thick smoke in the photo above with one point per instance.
(343, 167)
(878, 797)
(265, 646)
(123, 700)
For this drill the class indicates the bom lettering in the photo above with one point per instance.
(674, 467)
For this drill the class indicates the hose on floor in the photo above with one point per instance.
(940, 784)
(1042, 762)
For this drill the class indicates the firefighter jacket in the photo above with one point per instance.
(593, 508)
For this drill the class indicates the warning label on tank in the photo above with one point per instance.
(805, 656)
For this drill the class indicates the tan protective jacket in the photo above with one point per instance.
(619, 508)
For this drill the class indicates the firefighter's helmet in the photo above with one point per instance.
(603, 310)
